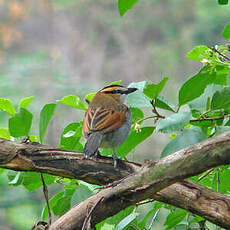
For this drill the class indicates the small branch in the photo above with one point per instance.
(153, 219)
(217, 51)
(209, 118)
(45, 192)
(154, 110)
(205, 174)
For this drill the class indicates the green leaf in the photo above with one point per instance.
(223, 180)
(223, 2)
(73, 101)
(125, 5)
(89, 97)
(33, 138)
(137, 114)
(20, 124)
(137, 99)
(187, 138)
(196, 85)
(52, 202)
(116, 82)
(175, 218)
(174, 122)
(82, 193)
(32, 180)
(4, 133)
(2, 171)
(116, 218)
(153, 90)
(45, 116)
(226, 32)
(7, 106)
(143, 222)
(63, 204)
(134, 139)
(126, 221)
(200, 103)
(199, 53)
(162, 103)
(221, 99)
(17, 180)
(71, 136)
(25, 102)
(196, 219)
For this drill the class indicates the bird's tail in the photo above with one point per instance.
(92, 144)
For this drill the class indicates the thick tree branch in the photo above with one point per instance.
(40, 158)
(199, 200)
(142, 184)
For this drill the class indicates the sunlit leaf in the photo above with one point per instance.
(153, 90)
(20, 124)
(199, 53)
(4, 133)
(125, 5)
(175, 217)
(71, 136)
(196, 85)
(25, 102)
(7, 106)
(226, 31)
(46, 114)
(137, 114)
(73, 101)
(32, 180)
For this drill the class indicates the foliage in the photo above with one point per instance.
(202, 111)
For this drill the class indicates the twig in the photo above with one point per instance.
(90, 213)
(153, 219)
(204, 175)
(145, 202)
(155, 110)
(209, 118)
(45, 191)
(217, 51)
(192, 120)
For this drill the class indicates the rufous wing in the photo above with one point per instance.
(103, 120)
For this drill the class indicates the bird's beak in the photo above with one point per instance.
(131, 90)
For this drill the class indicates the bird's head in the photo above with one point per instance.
(117, 91)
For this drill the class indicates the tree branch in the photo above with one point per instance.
(41, 158)
(141, 184)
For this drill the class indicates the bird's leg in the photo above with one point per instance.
(115, 158)
(97, 154)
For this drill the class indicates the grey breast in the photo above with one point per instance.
(118, 136)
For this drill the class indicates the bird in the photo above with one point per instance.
(107, 121)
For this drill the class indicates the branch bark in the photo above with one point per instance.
(145, 182)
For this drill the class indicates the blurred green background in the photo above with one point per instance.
(52, 48)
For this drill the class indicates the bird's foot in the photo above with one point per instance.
(115, 160)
